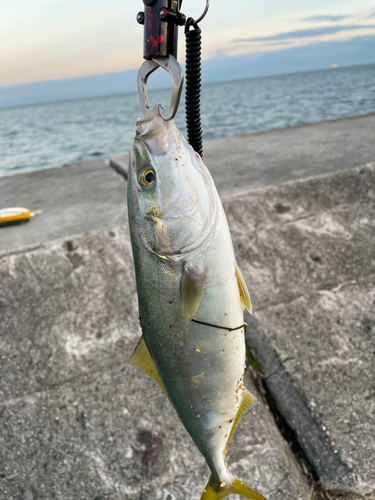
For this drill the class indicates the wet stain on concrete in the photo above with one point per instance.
(281, 209)
(151, 446)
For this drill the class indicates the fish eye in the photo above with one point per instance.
(147, 178)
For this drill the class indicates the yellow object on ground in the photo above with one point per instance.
(15, 214)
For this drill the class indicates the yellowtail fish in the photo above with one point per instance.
(191, 294)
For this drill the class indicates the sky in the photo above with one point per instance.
(55, 39)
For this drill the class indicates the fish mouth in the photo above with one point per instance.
(157, 134)
(145, 128)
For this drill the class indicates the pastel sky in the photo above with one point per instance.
(53, 39)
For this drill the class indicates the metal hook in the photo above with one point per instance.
(204, 13)
(170, 65)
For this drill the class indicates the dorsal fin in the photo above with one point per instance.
(141, 358)
(249, 400)
(191, 290)
(244, 292)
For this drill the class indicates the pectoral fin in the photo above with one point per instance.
(191, 289)
(141, 358)
(244, 292)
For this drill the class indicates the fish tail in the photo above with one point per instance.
(215, 491)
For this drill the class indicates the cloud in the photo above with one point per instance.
(332, 19)
(279, 43)
(312, 32)
(220, 53)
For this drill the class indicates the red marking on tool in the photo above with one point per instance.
(154, 43)
(160, 38)
(149, 24)
(149, 10)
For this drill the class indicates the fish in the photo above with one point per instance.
(191, 295)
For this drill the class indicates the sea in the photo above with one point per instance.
(40, 136)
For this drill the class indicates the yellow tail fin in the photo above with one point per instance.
(217, 492)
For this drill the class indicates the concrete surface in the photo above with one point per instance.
(79, 198)
(306, 250)
(267, 158)
(75, 198)
(303, 431)
(77, 420)
(119, 163)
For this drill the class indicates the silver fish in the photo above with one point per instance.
(191, 294)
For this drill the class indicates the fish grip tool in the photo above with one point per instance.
(161, 19)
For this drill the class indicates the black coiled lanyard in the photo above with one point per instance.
(193, 40)
(193, 44)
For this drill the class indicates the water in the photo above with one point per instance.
(47, 135)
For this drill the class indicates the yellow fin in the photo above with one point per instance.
(141, 358)
(244, 292)
(191, 290)
(249, 400)
(217, 492)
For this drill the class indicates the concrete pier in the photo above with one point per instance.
(78, 422)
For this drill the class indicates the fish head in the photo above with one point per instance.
(172, 200)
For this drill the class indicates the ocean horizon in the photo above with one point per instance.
(37, 136)
(162, 85)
